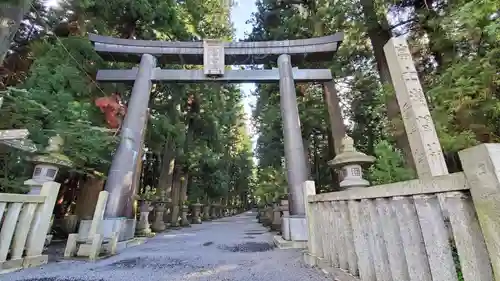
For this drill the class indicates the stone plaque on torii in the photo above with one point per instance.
(214, 55)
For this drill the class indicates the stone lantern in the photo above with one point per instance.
(143, 228)
(196, 212)
(350, 161)
(47, 165)
(159, 209)
(184, 216)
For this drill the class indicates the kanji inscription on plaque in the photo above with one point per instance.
(213, 57)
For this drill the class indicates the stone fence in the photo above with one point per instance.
(24, 223)
(442, 228)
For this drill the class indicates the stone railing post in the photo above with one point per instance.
(481, 165)
(41, 223)
(312, 247)
(95, 226)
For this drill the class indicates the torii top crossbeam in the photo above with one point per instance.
(235, 53)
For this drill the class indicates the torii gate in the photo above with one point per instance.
(214, 55)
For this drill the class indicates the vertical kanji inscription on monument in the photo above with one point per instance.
(422, 136)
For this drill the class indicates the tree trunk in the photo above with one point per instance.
(87, 197)
(11, 16)
(176, 189)
(379, 36)
(307, 155)
(167, 169)
(337, 127)
(183, 191)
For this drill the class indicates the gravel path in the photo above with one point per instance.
(234, 248)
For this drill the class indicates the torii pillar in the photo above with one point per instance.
(121, 174)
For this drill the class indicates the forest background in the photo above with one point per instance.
(200, 133)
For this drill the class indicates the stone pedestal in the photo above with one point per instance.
(276, 222)
(184, 219)
(285, 227)
(298, 228)
(268, 216)
(123, 226)
(206, 212)
(295, 230)
(158, 224)
(143, 227)
(220, 211)
(260, 215)
(196, 213)
(213, 211)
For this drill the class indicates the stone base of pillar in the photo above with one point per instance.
(284, 244)
(124, 226)
(298, 228)
(294, 233)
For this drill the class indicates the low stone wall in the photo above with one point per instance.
(24, 223)
(398, 231)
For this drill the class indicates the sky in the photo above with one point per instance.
(241, 12)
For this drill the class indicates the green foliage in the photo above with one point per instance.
(57, 99)
(389, 166)
(271, 186)
(456, 52)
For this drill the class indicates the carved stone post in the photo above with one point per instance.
(142, 228)
(422, 136)
(123, 167)
(294, 147)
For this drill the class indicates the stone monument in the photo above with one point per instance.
(422, 136)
